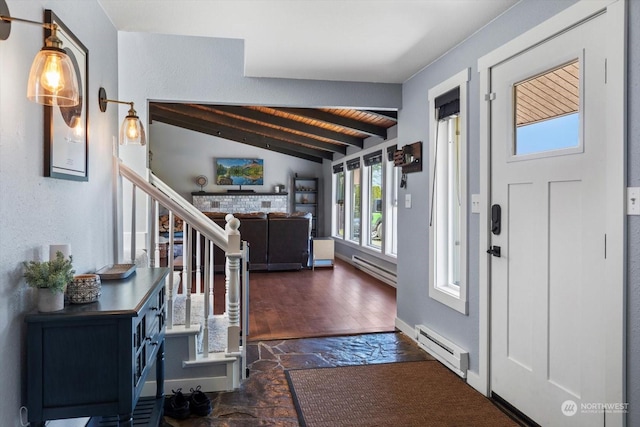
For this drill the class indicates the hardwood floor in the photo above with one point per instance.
(322, 302)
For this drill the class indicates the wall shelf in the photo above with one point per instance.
(305, 199)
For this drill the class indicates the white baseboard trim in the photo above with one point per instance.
(406, 329)
(475, 381)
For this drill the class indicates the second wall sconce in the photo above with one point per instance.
(52, 79)
(131, 130)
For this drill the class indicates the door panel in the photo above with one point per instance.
(547, 323)
(521, 276)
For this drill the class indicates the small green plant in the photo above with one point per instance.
(55, 274)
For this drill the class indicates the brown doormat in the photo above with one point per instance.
(395, 394)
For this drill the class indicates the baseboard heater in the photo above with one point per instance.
(380, 273)
(454, 357)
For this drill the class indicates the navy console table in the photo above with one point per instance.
(91, 360)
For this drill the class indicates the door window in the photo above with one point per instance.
(547, 111)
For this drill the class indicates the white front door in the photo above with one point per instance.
(548, 178)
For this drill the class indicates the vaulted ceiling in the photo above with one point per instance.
(307, 133)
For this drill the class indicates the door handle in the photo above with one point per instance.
(496, 219)
(494, 251)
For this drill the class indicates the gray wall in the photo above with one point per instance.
(414, 305)
(39, 211)
(212, 71)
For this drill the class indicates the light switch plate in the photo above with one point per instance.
(633, 201)
(475, 203)
(407, 201)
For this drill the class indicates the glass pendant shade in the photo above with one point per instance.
(132, 131)
(52, 80)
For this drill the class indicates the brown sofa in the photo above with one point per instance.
(277, 241)
(289, 239)
(253, 229)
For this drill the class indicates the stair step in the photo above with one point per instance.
(218, 372)
(181, 330)
(213, 358)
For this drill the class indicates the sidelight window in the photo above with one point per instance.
(448, 193)
(355, 196)
(338, 201)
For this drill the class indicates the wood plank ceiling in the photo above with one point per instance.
(307, 133)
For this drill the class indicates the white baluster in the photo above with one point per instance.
(170, 265)
(244, 308)
(154, 245)
(186, 278)
(211, 277)
(185, 245)
(205, 337)
(133, 223)
(198, 270)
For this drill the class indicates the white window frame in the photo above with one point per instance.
(392, 178)
(350, 205)
(334, 189)
(367, 208)
(445, 293)
(384, 251)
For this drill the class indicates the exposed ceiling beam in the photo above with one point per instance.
(336, 137)
(356, 125)
(208, 113)
(387, 114)
(232, 134)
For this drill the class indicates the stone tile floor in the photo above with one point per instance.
(264, 398)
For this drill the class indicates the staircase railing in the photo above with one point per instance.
(195, 223)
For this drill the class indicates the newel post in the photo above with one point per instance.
(234, 256)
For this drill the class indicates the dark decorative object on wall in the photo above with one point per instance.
(409, 157)
(66, 147)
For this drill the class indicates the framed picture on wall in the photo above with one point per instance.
(66, 146)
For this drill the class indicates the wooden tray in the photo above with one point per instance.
(116, 271)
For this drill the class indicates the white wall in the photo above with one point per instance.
(39, 211)
(179, 155)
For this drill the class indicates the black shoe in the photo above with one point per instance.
(176, 406)
(199, 403)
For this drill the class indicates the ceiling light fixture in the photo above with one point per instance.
(52, 79)
(131, 130)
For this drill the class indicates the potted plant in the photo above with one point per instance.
(51, 279)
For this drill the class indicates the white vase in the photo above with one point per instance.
(49, 300)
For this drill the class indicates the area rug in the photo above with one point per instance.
(395, 394)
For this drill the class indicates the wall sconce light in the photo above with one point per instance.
(52, 79)
(131, 130)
